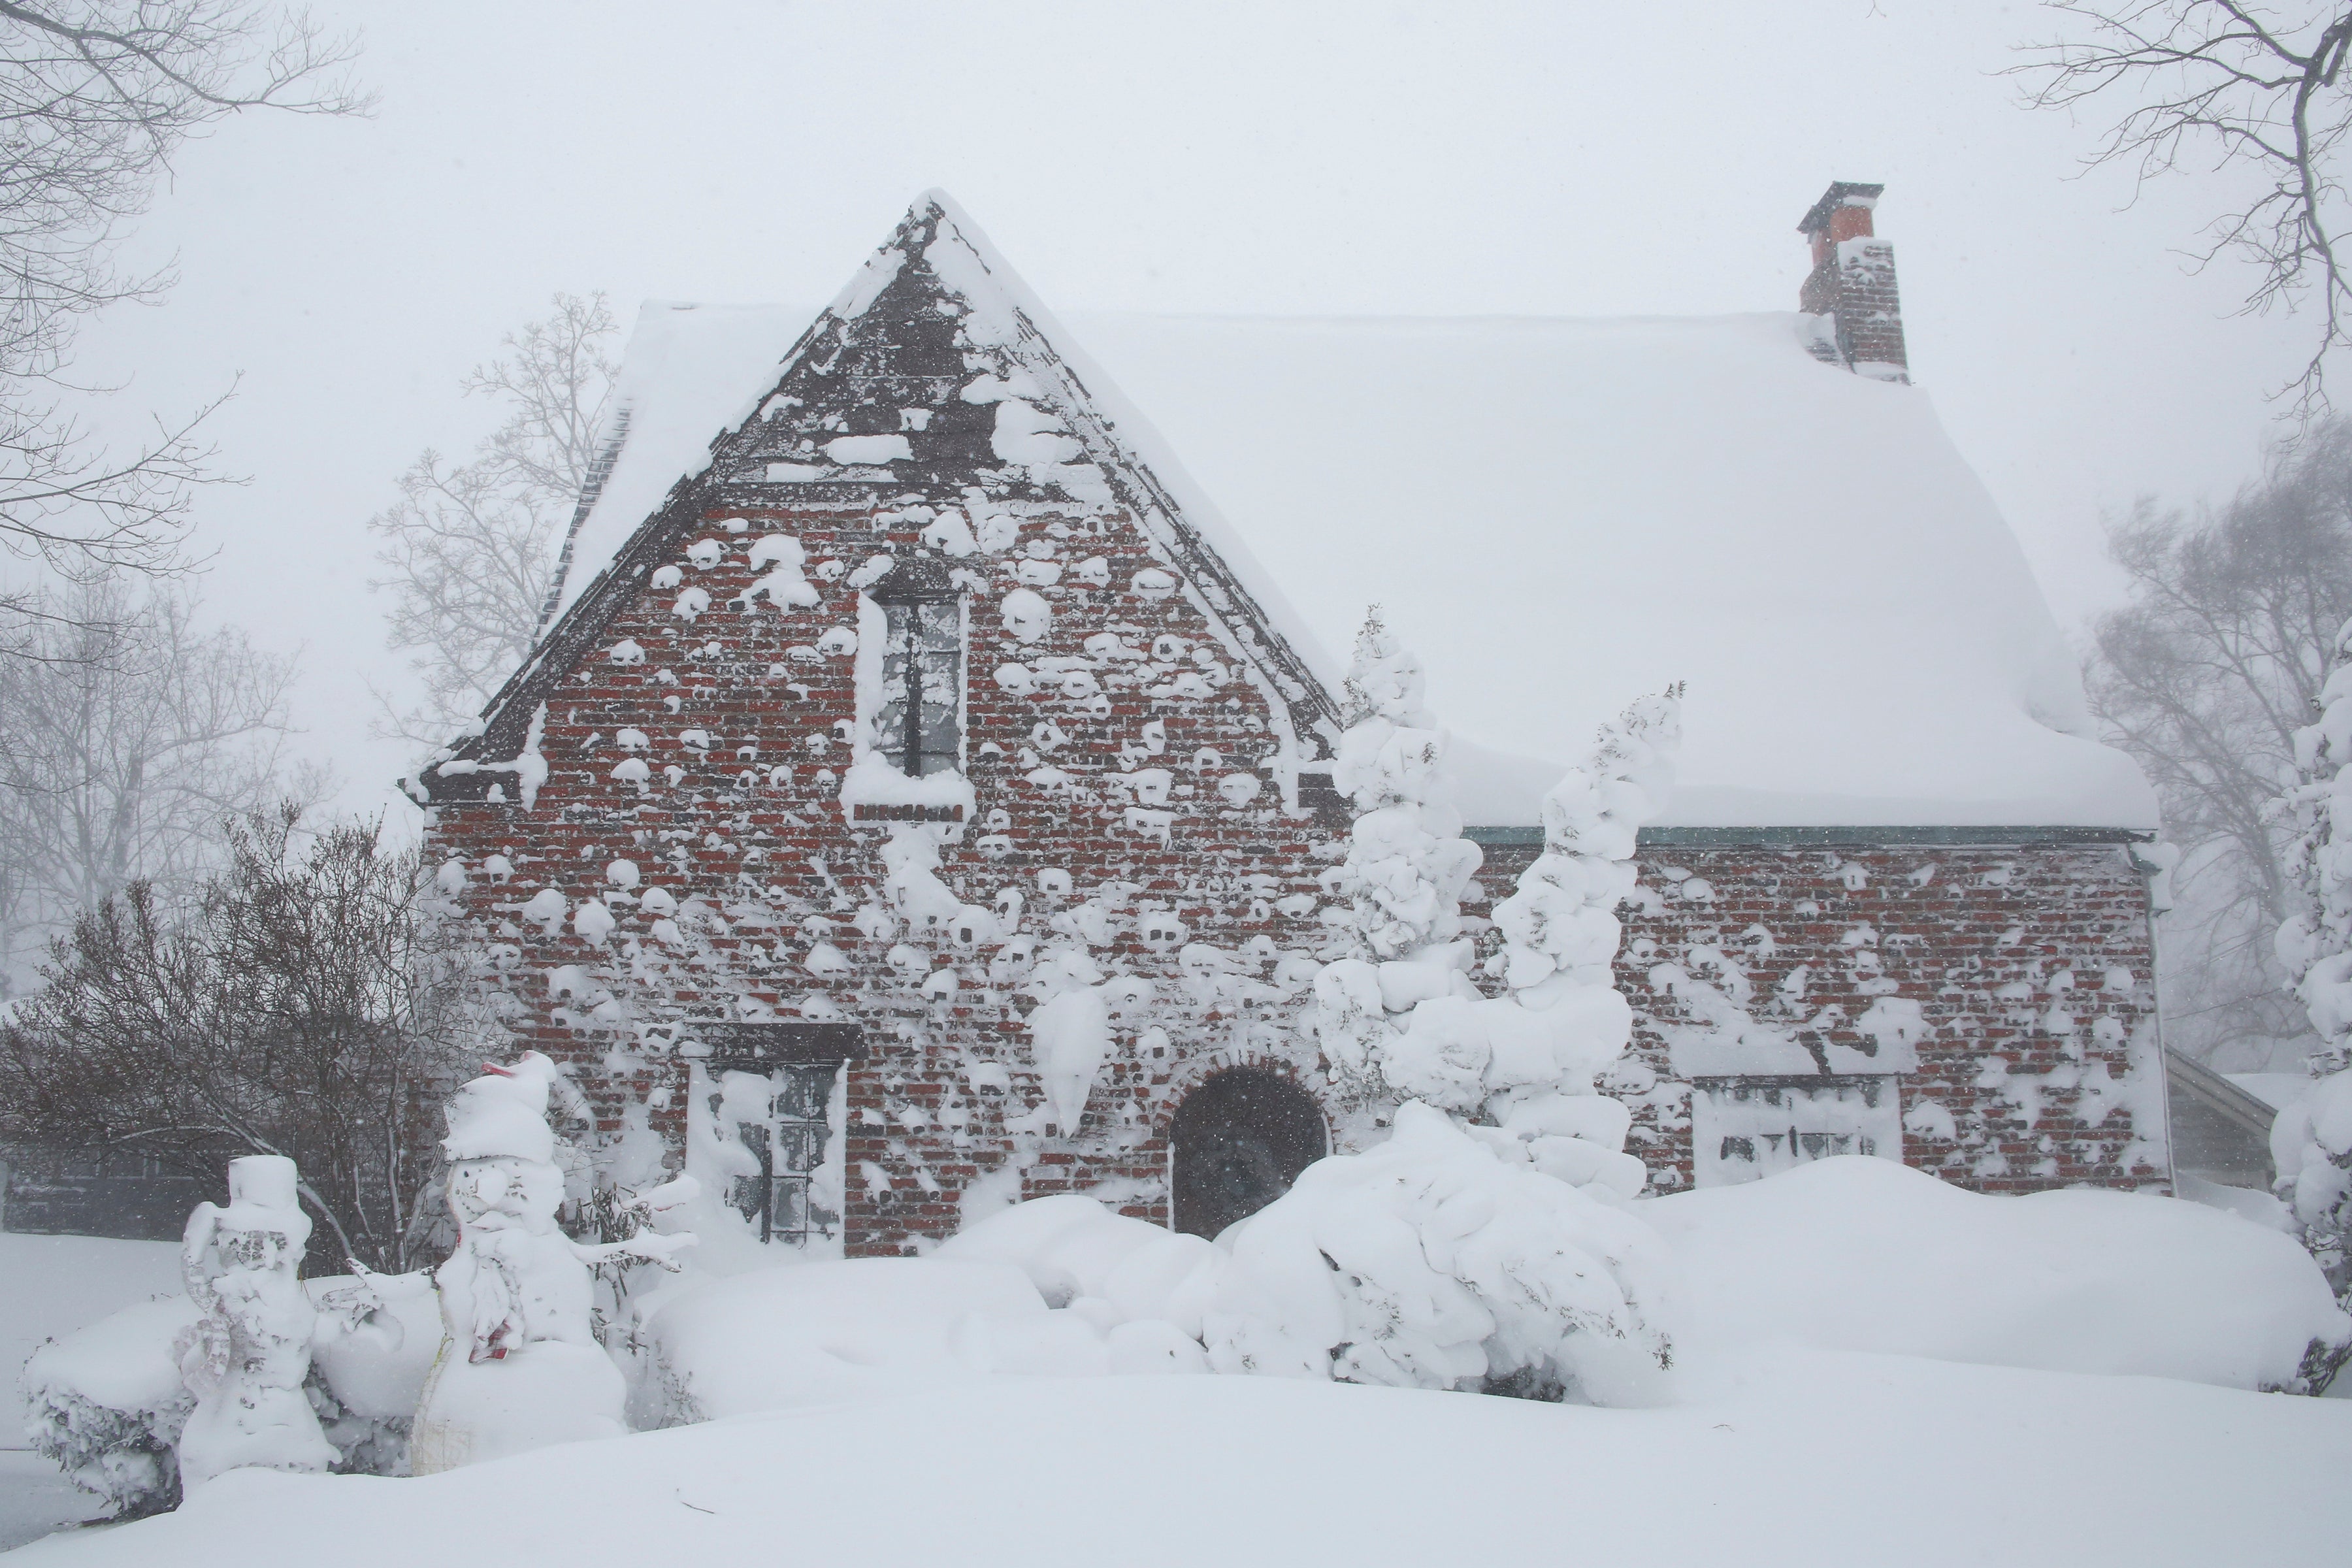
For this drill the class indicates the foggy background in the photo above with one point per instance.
(1301, 159)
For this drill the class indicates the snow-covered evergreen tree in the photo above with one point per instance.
(1407, 861)
(1406, 866)
(2311, 1141)
(1399, 1016)
(1561, 933)
(1556, 1289)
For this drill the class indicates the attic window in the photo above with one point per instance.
(918, 725)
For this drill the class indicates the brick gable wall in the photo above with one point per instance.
(750, 840)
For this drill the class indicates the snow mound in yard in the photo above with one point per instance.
(1810, 1458)
(1862, 1253)
(821, 1332)
(1074, 1249)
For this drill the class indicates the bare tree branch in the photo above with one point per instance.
(2204, 677)
(131, 739)
(470, 551)
(312, 1003)
(2210, 85)
(96, 98)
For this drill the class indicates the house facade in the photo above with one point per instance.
(901, 675)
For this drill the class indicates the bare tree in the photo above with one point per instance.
(96, 95)
(472, 551)
(131, 738)
(311, 1004)
(2204, 677)
(2215, 84)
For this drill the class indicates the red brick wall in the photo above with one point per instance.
(2033, 967)
(781, 867)
(1856, 286)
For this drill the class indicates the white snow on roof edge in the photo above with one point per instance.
(1136, 433)
(1597, 494)
(690, 374)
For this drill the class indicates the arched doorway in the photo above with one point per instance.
(1238, 1142)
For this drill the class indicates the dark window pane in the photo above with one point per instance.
(800, 1146)
(940, 626)
(743, 1194)
(922, 681)
(791, 1213)
(802, 1092)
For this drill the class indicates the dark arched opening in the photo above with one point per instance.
(1238, 1142)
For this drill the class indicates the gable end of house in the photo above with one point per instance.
(934, 374)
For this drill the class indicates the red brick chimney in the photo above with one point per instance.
(1852, 287)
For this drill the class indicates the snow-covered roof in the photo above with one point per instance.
(1560, 515)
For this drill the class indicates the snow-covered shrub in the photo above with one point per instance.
(1438, 1260)
(1105, 1265)
(819, 1334)
(2311, 1152)
(374, 1342)
(107, 1405)
(1855, 1253)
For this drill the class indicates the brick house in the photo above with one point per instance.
(896, 656)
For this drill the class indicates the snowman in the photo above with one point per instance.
(247, 1356)
(519, 1367)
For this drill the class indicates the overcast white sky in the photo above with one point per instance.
(1280, 158)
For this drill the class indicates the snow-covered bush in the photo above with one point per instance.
(1856, 1253)
(374, 1342)
(1436, 1261)
(788, 1337)
(107, 1405)
(1105, 1265)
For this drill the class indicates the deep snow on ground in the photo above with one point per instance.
(1797, 1457)
(1860, 1254)
(1873, 1367)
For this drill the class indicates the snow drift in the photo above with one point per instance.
(1860, 1254)
(1812, 1458)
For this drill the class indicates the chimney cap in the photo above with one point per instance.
(1841, 193)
